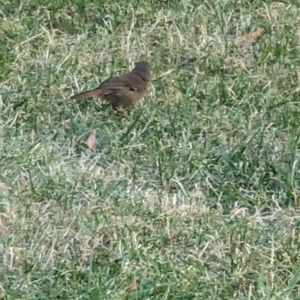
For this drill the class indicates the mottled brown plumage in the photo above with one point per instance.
(122, 91)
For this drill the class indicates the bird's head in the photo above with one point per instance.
(142, 69)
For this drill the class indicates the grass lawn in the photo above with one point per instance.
(193, 193)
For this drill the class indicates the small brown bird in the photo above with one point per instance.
(122, 91)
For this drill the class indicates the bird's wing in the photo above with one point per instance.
(127, 81)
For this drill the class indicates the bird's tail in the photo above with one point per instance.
(87, 94)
